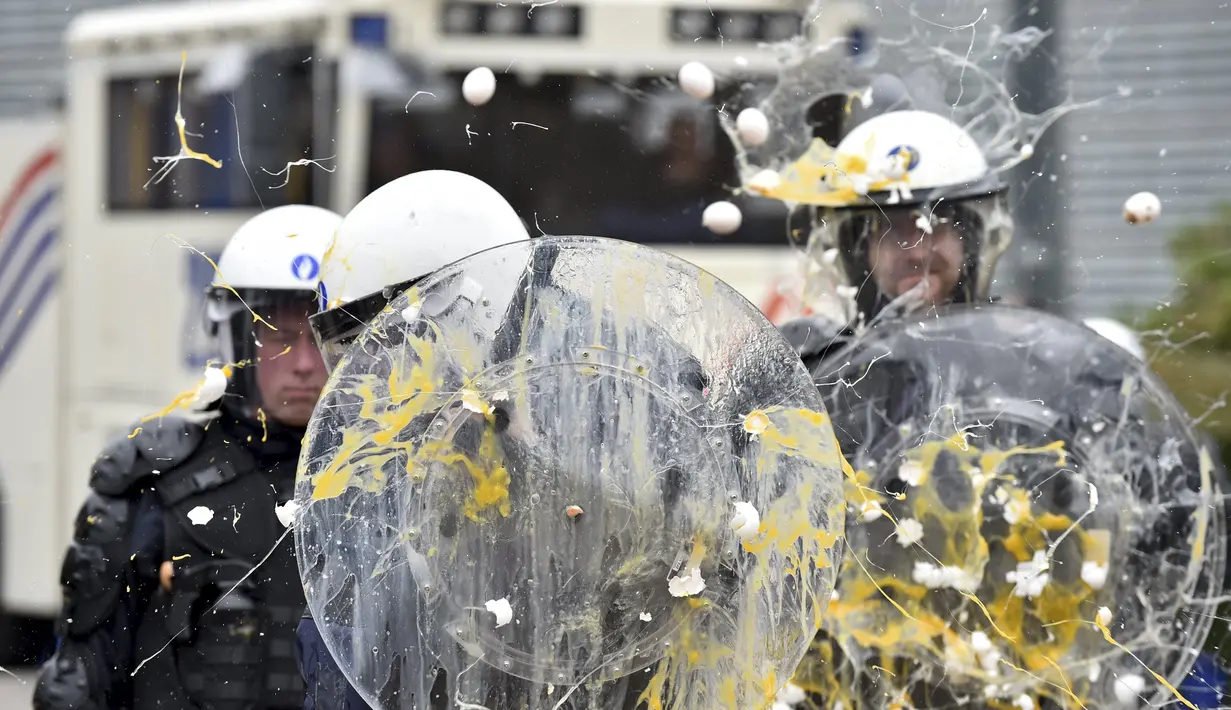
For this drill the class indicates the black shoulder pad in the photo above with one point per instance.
(92, 575)
(153, 446)
(813, 335)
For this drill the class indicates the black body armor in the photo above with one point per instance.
(106, 577)
(224, 637)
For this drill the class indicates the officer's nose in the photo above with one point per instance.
(306, 357)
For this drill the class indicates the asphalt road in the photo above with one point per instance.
(15, 692)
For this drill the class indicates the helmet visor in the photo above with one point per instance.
(335, 329)
(264, 333)
(924, 254)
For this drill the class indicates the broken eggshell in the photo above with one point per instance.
(286, 513)
(212, 387)
(687, 583)
(746, 522)
(501, 609)
(200, 515)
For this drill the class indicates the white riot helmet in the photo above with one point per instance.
(1118, 333)
(904, 176)
(273, 260)
(400, 233)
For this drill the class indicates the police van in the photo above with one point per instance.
(102, 270)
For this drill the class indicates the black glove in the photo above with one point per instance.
(76, 678)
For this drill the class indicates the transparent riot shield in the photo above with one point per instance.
(569, 473)
(1031, 520)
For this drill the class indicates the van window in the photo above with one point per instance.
(255, 128)
(577, 155)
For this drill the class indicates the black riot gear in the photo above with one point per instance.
(223, 637)
(104, 576)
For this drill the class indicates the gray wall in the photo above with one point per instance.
(32, 51)
(1176, 58)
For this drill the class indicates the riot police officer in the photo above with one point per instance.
(403, 231)
(506, 427)
(555, 334)
(935, 240)
(917, 223)
(179, 587)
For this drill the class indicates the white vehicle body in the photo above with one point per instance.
(35, 430)
(118, 334)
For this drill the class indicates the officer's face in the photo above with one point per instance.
(290, 372)
(903, 256)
